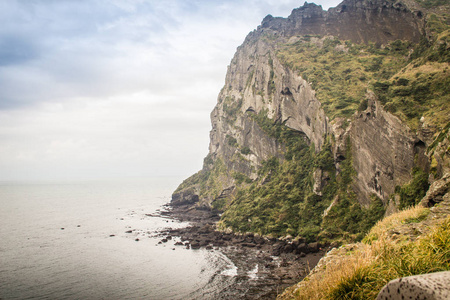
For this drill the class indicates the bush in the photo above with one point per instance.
(246, 150)
(411, 194)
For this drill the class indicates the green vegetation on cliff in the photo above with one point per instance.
(410, 80)
(282, 201)
(340, 71)
(207, 183)
(410, 194)
(391, 250)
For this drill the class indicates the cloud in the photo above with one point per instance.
(115, 88)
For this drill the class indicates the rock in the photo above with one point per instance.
(288, 248)
(314, 247)
(433, 286)
(187, 197)
(383, 152)
(303, 247)
(436, 192)
(317, 179)
(195, 245)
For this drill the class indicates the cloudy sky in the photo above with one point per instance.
(95, 89)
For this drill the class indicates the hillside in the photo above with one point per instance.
(329, 121)
(411, 242)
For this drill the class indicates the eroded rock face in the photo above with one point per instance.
(359, 21)
(383, 149)
(438, 191)
(383, 152)
(257, 81)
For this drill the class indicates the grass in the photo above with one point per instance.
(341, 71)
(362, 274)
(411, 193)
(411, 81)
(383, 226)
(208, 182)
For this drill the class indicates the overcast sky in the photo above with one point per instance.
(95, 89)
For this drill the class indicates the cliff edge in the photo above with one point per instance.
(328, 121)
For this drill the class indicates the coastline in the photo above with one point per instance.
(264, 267)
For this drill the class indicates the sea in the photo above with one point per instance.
(100, 240)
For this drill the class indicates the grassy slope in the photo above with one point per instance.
(410, 80)
(415, 240)
(411, 242)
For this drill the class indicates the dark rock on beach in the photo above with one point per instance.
(273, 264)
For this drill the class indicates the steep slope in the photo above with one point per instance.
(327, 119)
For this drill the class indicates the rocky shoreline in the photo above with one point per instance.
(265, 266)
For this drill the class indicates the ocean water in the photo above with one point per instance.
(73, 241)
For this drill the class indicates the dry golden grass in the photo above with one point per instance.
(319, 285)
(382, 227)
(360, 271)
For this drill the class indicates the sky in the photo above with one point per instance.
(109, 89)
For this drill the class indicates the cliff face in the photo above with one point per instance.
(359, 21)
(281, 94)
(384, 151)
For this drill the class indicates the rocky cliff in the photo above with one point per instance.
(327, 120)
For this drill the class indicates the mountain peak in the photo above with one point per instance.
(360, 21)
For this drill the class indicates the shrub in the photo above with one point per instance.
(411, 193)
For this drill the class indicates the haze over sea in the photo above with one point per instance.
(69, 241)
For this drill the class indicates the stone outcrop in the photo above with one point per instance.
(440, 164)
(438, 192)
(433, 286)
(383, 152)
(359, 21)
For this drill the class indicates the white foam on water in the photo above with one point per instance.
(231, 271)
(253, 274)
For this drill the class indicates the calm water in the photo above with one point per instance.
(69, 241)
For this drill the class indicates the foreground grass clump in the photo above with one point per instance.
(384, 256)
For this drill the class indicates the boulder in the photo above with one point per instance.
(302, 247)
(314, 247)
(436, 192)
(433, 286)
